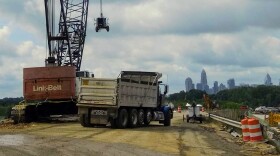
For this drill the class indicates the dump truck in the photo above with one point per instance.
(134, 98)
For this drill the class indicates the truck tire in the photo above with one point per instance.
(132, 118)
(122, 118)
(141, 116)
(113, 123)
(167, 119)
(147, 117)
(84, 120)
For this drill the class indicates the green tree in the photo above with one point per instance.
(251, 96)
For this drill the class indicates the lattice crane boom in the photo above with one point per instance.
(66, 46)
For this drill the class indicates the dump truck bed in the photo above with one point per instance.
(96, 92)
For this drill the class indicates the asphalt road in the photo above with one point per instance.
(181, 138)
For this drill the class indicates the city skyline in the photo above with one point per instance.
(219, 86)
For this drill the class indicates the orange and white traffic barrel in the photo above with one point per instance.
(255, 130)
(179, 109)
(245, 129)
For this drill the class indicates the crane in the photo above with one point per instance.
(51, 90)
(67, 45)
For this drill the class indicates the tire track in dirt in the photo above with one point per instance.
(181, 144)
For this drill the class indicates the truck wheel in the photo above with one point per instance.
(113, 123)
(147, 117)
(84, 120)
(200, 120)
(123, 118)
(132, 118)
(141, 116)
(167, 119)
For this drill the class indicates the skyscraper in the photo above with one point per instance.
(189, 84)
(222, 87)
(203, 80)
(199, 86)
(216, 87)
(267, 80)
(231, 83)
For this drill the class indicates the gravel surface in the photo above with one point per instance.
(70, 138)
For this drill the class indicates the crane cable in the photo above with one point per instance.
(53, 23)
(51, 14)
(101, 9)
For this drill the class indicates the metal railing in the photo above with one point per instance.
(233, 114)
(268, 132)
(225, 120)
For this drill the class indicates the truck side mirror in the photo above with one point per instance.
(166, 89)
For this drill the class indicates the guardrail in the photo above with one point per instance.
(271, 134)
(225, 120)
(232, 114)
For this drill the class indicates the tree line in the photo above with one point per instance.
(232, 98)
(10, 101)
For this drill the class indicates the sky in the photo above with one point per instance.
(237, 39)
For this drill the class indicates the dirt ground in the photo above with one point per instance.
(70, 138)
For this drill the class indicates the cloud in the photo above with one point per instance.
(4, 32)
(11, 66)
(229, 39)
(6, 46)
(189, 17)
